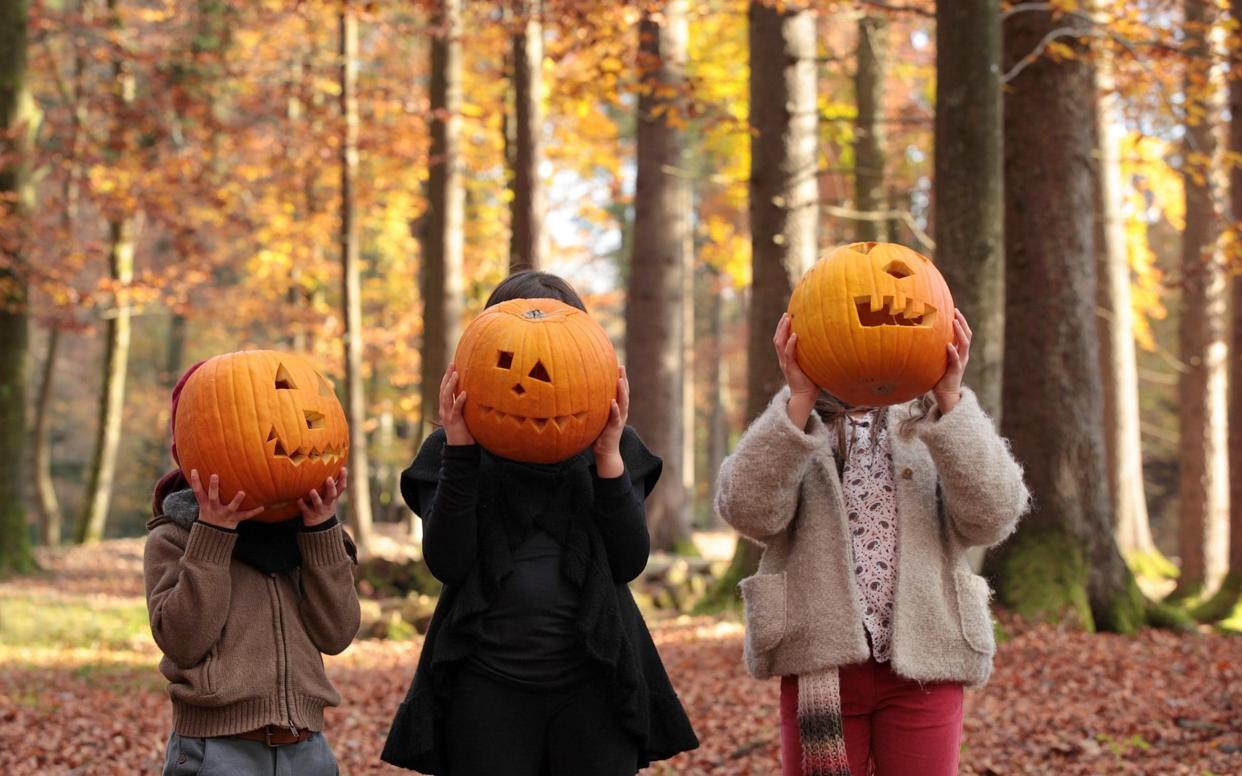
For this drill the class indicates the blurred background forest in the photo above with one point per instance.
(350, 180)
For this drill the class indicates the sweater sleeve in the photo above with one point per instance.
(984, 492)
(329, 606)
(759, 483)
(448, 507)
(621, 517)
(188, 588)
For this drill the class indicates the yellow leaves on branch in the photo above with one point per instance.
(1154, 191)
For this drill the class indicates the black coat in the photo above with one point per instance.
(605, 543)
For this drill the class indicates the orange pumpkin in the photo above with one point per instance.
(540, 377)
(267, 423)
(873, 321)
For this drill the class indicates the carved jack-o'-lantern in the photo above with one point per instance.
(266, 422)
(539, 377)
(873, 321)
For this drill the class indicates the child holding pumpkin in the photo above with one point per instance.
(537, 659)
(242, 611)
(864, 603)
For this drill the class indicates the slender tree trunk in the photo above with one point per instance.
(688, 386)
(18, 122)
(783, 206)
(446, 199)
(1117, 356)
(51, 519)
(654, 323)
(1203, 484)
(359, 516)
(94, 515)
(968, 183)
(869, 151)
(1227, 598)
(717, 424)
(526, 208)
(1063, 562)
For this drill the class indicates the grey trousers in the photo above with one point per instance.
(239, 757)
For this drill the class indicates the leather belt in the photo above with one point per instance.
(274, 735)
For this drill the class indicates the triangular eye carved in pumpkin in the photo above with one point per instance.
(325, 387)
(284, 381)
(540, 372)
(898, 269)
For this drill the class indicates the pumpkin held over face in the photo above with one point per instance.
(267, 423)
(873, 321)
(539, 377)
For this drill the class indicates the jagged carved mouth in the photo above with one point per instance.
(886, 313)
(297, 456)
(561, 422)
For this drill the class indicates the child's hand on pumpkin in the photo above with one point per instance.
(211, 511)
(948, 391)
(451, 409)
(317, 509)
(607, 446)
(802, 392)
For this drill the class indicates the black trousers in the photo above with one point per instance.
(494, 727)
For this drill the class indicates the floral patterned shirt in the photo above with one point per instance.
(871, 506)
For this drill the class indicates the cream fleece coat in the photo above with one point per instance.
(781, 489)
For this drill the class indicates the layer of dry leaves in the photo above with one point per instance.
(1059, 702)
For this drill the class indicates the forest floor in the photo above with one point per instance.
(80, 692)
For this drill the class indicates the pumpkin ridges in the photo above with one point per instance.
(230, 470)
(852, 360)
(225, 417)
(573, 389)
(270, 477)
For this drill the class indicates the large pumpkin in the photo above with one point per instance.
(539, 377)
(873, 321)
(266, 422)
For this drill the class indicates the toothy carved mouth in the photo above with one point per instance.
(886, 313)
(560, 421)
(330, 454)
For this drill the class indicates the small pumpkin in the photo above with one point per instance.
(540, 377)
(873, 321)
(266, 422)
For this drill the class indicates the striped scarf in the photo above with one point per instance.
(820, 724)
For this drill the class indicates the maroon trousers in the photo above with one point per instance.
(893, 726)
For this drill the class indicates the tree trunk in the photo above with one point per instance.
(654, 323)
(783, 207)
(51, 519)
(1227, 598)
(1117, 356)
(526, 208)
(359, 499)
(869, 152)
(100, 474)
(18, 121)
(968, 183)
(1203, 484)
(1063, 562)
(441, 276)
(717, 379)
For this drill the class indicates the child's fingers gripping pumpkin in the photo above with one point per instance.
(211, 511)
(949, 390)
(452, 404)
(317, 509)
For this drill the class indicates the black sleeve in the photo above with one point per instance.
(621, 518)
(447, 505)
